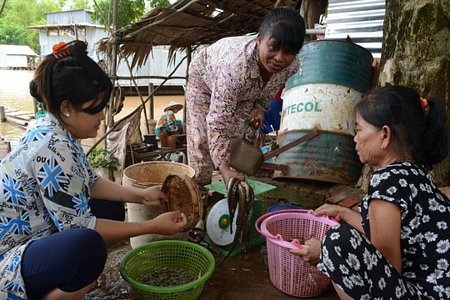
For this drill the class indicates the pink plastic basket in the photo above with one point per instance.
(288, 272)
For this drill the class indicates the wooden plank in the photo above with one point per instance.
(17, 121)
(9, 109)
(18, 116)
(23, 118)
(20, 113)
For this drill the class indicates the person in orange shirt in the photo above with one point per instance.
(167, 126)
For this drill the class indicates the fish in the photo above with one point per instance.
(248, 207)
(232, 200)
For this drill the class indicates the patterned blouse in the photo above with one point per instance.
(227, 84)
(167, 122)
(425, 231)
(45, 187)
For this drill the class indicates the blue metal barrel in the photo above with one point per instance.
(332, 78)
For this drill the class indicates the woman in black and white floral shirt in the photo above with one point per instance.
(398, 246)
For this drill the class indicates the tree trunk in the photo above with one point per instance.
(416, 52)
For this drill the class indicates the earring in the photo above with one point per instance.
(67, 115)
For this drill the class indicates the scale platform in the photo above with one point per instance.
(218, 222)
(257, 186)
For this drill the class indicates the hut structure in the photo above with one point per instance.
(182, 27)
(191, 23)
(16, 57)
(66, 26)
(188, 24)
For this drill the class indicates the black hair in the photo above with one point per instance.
(73, 76)
(423, 130)
(287, 27)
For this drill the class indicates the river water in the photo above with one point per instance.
(14, 93)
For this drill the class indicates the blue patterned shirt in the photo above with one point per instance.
(44, 187)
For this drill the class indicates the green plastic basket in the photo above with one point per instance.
(154, 256)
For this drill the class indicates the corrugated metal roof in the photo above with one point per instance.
(362, 20)
(68, 18)
(66, 25)
(16, 50)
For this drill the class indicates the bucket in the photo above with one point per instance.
(151, 126)
(288, 272)
(144, 175)
(282, 206)
(332, 78)
(155, 260)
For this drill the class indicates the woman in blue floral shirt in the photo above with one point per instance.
(398, 246)
(51, 245)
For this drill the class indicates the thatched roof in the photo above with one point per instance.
(189, 23)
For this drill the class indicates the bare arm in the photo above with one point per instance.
(107, 190)
(166, 224)
(385, 224)
(311, 252)
(350, 216)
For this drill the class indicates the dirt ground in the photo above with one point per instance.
(244, 276)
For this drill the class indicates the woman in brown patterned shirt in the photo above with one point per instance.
(232, 79)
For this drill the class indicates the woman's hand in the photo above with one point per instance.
(227, 173)
(310, 251)
(330, 210)
(341, 214)
(257, 118)
(152, 195)
(169, 223)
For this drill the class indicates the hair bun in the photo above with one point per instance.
(73, 48)
(78, 46)
(34, 91)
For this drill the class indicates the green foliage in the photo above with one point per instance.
(159, 3)
(12, 33)
(18, 15)
(80, 4)
(102, 158)
(129, 11)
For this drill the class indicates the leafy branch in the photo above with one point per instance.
(102, 158)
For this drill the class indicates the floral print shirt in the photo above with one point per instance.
(225, 84)
(425, 231)
(167, 122)
(44, 187)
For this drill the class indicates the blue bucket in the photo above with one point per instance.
(282, 207)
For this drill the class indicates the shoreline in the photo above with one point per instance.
(11, 133)
(14, 94)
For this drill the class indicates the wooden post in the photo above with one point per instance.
(151, 88)
(189, 58)
(112, 69)
(2, 114)
(35, 107)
